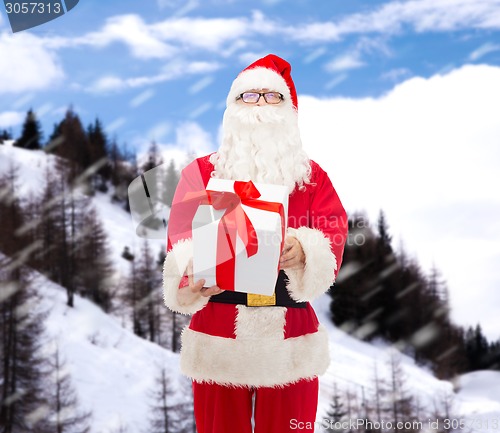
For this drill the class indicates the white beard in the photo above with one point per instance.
(262, 144)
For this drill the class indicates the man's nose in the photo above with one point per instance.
(261, 100)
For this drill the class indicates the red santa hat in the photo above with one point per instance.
(271, 72)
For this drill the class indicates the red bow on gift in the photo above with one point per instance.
(234, 222)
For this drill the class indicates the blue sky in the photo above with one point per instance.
(398, 100)
(146, 67)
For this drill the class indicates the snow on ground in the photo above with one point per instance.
(479, 398)
(32, 166)
(112, 369)
(477, 402)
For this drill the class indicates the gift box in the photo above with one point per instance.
(238, 233)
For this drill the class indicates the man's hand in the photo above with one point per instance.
(292, 256)
(199, 287)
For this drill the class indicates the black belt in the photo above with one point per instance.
(281, 297)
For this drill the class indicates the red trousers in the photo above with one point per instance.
(220, 409)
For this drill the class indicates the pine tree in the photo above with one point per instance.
(144, 295)
(61, 231)
(94, 264)
(68, 212)
(11, 213)
(98, 149)
(5, 135)
(171, 180)
(55, 139)
(385, 296)
(336, 413)
(131, 294)
(65, 416)
(31, 135)
(124, 170)
(477, 348)
(154, 158)
(401, 402)
(165, 415)
(380, 394)
(98, 142)
(446, 415)
(23, 403)
(162, 419)
(350, 305)
(73, 146)
(45, 232)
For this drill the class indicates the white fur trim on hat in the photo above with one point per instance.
(258, 356)
(319, 271)
(259, 78)
(181, 300)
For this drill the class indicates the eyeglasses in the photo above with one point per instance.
(253, 97)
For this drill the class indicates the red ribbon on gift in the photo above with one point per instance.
(234, 222)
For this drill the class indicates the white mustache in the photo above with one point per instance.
(255, 115)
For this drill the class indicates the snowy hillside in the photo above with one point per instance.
(113, 370)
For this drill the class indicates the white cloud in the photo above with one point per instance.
(344, 62)
(483, 50)
(421, 15)
(201, 84)
(248, 58)
(315, 32)
(163, 39)
(191, 137)
(23, 100)
(162, 4)
(181, 7)
(133, 32)
(108, 83)
(159, 131)
(335, 81)
(353, 58)
(427, 154)
(11, 118)
(210, 34)
(116, 124)
(396, 74)
(271, 2)
(186, 7)
(173, 36)
(26, 64)
(311, 57)
(141, 98)
(171, 71)
(203, 108)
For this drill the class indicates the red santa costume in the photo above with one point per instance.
(259, 361)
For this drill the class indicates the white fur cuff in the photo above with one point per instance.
(319, 271)
(181, 300)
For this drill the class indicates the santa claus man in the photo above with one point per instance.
(255, 360)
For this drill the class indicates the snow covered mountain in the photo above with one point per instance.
(113, 370)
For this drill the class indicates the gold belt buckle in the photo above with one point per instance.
(254, 300)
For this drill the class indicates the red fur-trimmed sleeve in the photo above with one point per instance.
(176, 292)
(322, 240)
